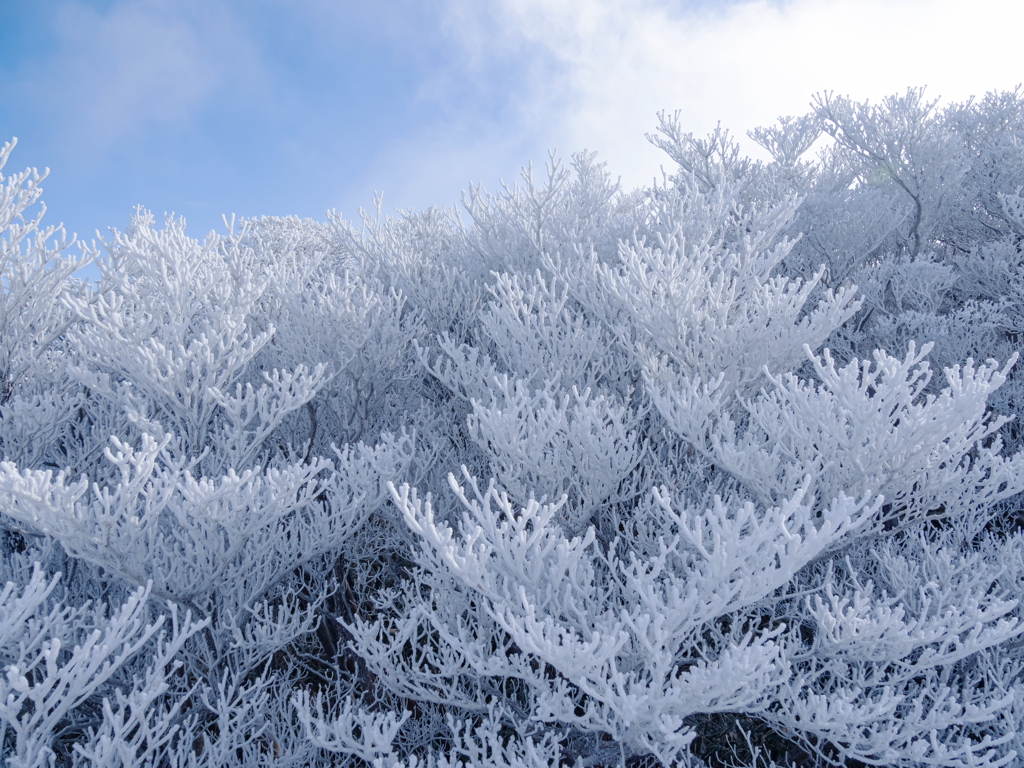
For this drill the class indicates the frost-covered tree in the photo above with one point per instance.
(725, 471)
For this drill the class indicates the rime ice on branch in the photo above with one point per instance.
(724, 471)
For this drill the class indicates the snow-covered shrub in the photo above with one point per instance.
(724, 471)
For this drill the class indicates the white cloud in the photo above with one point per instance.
(610, 65)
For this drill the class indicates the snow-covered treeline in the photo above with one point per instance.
(723, 471)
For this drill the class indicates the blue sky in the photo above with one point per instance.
(257, 107)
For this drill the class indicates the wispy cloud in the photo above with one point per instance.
(260, 106)
(123, 68)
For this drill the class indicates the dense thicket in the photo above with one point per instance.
(721, 471)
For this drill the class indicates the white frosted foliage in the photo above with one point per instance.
(724, 471)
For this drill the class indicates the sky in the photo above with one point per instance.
(264, 107)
